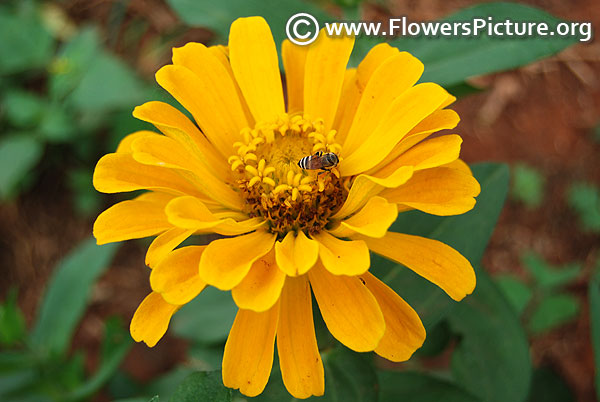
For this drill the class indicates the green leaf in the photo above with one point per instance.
(207, 319)
(25, 44)
(463, 89)
(436, 341)
(219, 16)
(23, 109)
(107, 84)
(585, 200)
(349, 377)
(13, 384)
(596, 134)
(203, 385)
(515, 291)
(547, 276)
(493, 351)
(418, 387)
(18, 155)
(552, 312)
(115, 346)
(72, 62)
(449, 61)
(155, 398)
(167, 384)
(12, 321)
(86, 199)
(205, 358)
(57, 124)
(527, 185)
(67, 294)
(468, 233)
(594, 299)
(547, 386)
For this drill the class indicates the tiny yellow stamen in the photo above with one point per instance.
(253, 181)
(261, 166)
(252, 170)
(235, 165)
(307, 179)
(269, 181)
(297, 178)
(249, 157)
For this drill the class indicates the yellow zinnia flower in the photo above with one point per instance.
(289, 230)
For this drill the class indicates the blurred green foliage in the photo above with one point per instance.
(584, 198)
(66, 99)
(594, 299)
(58, 97)
(38, 365)
(541, 300)
(527, 185)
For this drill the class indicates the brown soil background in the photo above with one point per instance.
(542, 115)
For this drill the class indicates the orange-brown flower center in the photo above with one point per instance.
(275, 188)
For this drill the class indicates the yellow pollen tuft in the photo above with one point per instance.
(275, 187)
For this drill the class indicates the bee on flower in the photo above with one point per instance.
(321, 161)
(240, 170)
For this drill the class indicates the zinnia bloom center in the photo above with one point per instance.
(275, 188)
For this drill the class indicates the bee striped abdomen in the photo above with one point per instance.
(319, 161)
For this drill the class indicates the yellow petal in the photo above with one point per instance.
(438, 191)
(342, 257)
(432, 259)
(412, 106)
(216, 111)
(248, 357)
(125, 144)
(159, 150)
(427, 154)
(261, 288)
(365, 187)
(459, 164)
(177, 126)
(294, 60)
(349, 100)
(164, 244)
(132, 219)
(295, 255)
(230, 227)
(384, 86)
(226, 262)
(404, 332)
(191, 213)
(372, 220)
(349, 310)
(209, 67)
(222, 53)
(449, 100)
(355, 82)
(438, 120)
(151, 319)
(326, 62)
(299, 358)
(164, 152)
(176, 276)
(253, 58)
(374, 58)
(116, 173)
